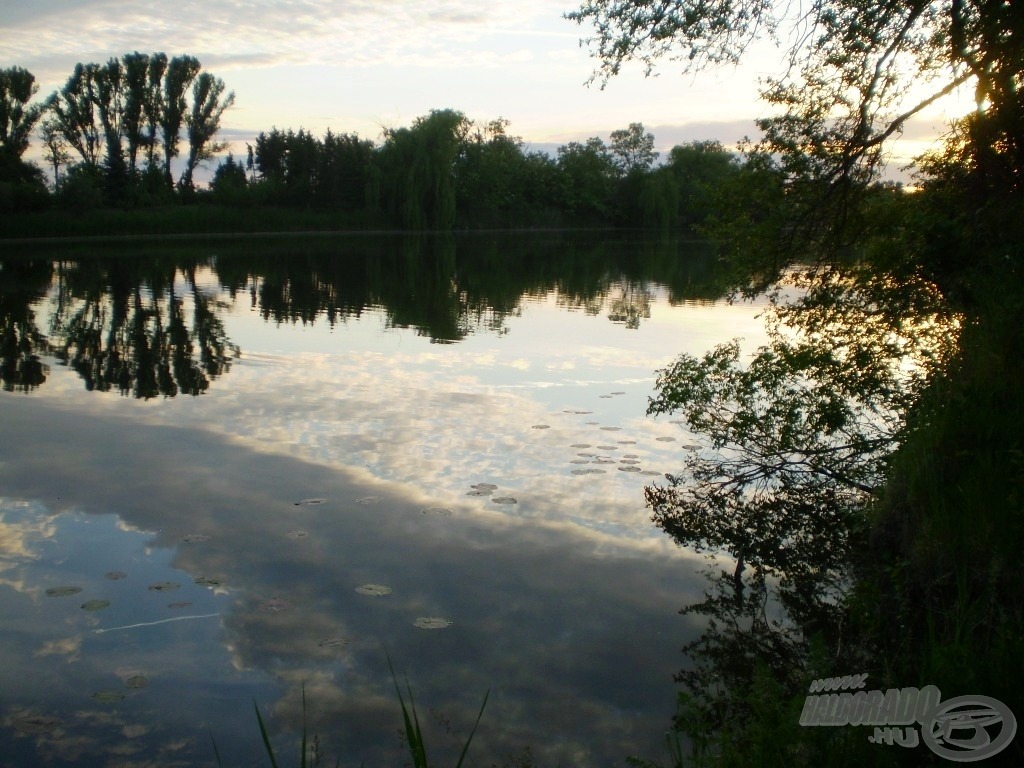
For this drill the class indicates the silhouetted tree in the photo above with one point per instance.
(203, 121)
(588, 174)
(633, 149)
(17, 116)
(180, 74)
(418, 164)
(74, 113)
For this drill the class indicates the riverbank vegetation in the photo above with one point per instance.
(123, 142)
(860, 483)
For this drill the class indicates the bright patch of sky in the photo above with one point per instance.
(363, 66)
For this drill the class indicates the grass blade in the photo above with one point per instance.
(216, 752)
(266, 737)
(413, 735)
(480, 714)
(302, 760)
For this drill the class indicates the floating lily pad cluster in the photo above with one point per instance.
(95, 605)
(423, 622)
(374, 590)
(132, 683)
(488, 489)
(588, 463)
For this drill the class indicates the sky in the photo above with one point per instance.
(362, 66)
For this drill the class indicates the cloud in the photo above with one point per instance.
(232, 35)
(541, 616)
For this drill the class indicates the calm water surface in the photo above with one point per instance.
(236, 469)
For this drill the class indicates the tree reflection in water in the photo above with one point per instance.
(797, 442)
(136, 322)
(24, 282)
(123, 325)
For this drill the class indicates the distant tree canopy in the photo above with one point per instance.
(446, 170)
(17, 120)
(124, 120)
(133, 131)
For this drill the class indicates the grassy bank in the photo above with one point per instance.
(179, 219)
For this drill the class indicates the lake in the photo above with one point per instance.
(242, 470)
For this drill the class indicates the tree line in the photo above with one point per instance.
(131, 133)
(113, 133)
(446, 170)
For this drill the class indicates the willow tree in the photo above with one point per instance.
(419, 168)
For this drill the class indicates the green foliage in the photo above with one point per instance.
(209, 103)
(633, 149)
(885, 405)
(123, 121)
(17, 116)
(418, 169)
(413, 734)
(230, 181)
(113, 114)
(588, 172)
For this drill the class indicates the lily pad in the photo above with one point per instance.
(309, 501)
(618, 393)
(297, 534)
(368, 500)
(206, 581)
(629, 461)
(612, 429)
(33, 725)
(665, 439)
(274, 605)
(108, 697)
(164, 586)
(626, 442)
(629, 469)
(484, 487)
(651, 473)
(504, 500)
(373, 590)
(195, 538)
(479, 492)
(333, 642)
(62, 591)
(580, 445)
(580, 461)
(136, 681)
(116, 575)
(437, 511)
(432, 622)
(95, 605)
(607, 447)
(605, 397)
(179, 604)
(541, 426)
